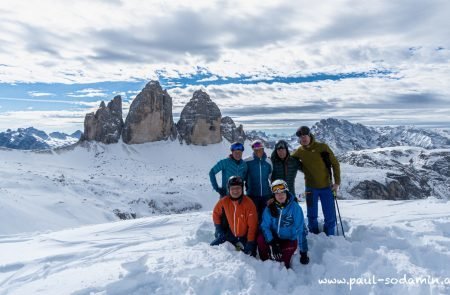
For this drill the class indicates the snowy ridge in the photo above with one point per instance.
(171, 255)
(343, 136)
(34, 139)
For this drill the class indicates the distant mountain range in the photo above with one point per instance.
(34, 139)
(343, 136)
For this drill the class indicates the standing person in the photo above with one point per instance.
(284, 166)
(283, 228)
(258, 177)
(318, 184)
(235, 218)
(233, 165)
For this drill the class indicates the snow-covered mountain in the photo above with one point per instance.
(34, 139)
(343, 136)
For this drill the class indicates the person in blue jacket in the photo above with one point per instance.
(258, 178)
(283, 228)
(233, 165)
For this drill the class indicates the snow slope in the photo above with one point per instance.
(64, 188)
(170, 255)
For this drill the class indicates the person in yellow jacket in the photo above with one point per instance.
(241, 218)
(320, 166)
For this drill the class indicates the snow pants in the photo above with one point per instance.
(312, 207)
(288, 248)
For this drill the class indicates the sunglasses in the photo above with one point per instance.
(237, 147)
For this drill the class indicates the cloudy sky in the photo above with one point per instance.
(267, 64)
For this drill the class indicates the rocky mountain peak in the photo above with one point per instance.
(106, 124)
(200, 120)
(150, 116)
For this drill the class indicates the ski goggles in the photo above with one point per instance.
(279, 188)
(237, 146)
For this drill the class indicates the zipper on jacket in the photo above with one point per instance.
(235, 231)
(279, 221)
(260, 176)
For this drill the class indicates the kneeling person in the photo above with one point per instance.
(241, 220)
(283, 228)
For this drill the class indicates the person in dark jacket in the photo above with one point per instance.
(284, 166)
(231, 166)
(318, 179)
(283, 228)
(258, 177)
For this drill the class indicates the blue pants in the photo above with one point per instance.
(328, 209)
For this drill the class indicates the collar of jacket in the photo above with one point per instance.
(237, 162)
(239, 200)
(311, 144)
(264, 156)
(288, 201)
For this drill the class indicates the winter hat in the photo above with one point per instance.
(304, 130)
(257, 144)
(281, 144)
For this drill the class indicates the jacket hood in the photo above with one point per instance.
(274, 155)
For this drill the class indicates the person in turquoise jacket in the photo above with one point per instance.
(258, 177)
(231, 166)
(283, 228)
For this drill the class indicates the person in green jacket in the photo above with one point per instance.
(285, 167)
(318, 161)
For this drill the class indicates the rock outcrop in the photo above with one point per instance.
(150, 116)
(200, 121)
(106, 124)
(229, 130)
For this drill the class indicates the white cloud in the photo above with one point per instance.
(39, 94)
(88, 41)
(88, 92)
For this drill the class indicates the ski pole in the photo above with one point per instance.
(339, 214)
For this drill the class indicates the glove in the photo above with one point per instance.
(222, 192)
(249, 248)
(304, 259)
(275, 250)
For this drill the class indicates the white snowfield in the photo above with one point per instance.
(58, 234)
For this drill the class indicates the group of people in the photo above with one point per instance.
(268, 217)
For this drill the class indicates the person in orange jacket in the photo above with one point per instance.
(241, 222)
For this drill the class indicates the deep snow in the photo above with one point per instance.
(59, 235)
(171, 255)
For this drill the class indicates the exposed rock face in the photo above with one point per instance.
(150, 116)
(200, 120)
(106, 124)
(401, 173)
(230, 132)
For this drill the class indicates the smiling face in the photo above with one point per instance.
(237, 155)
(305, 140)
(281, 197)
(235, 191)
(259, 152)
(282, 153)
